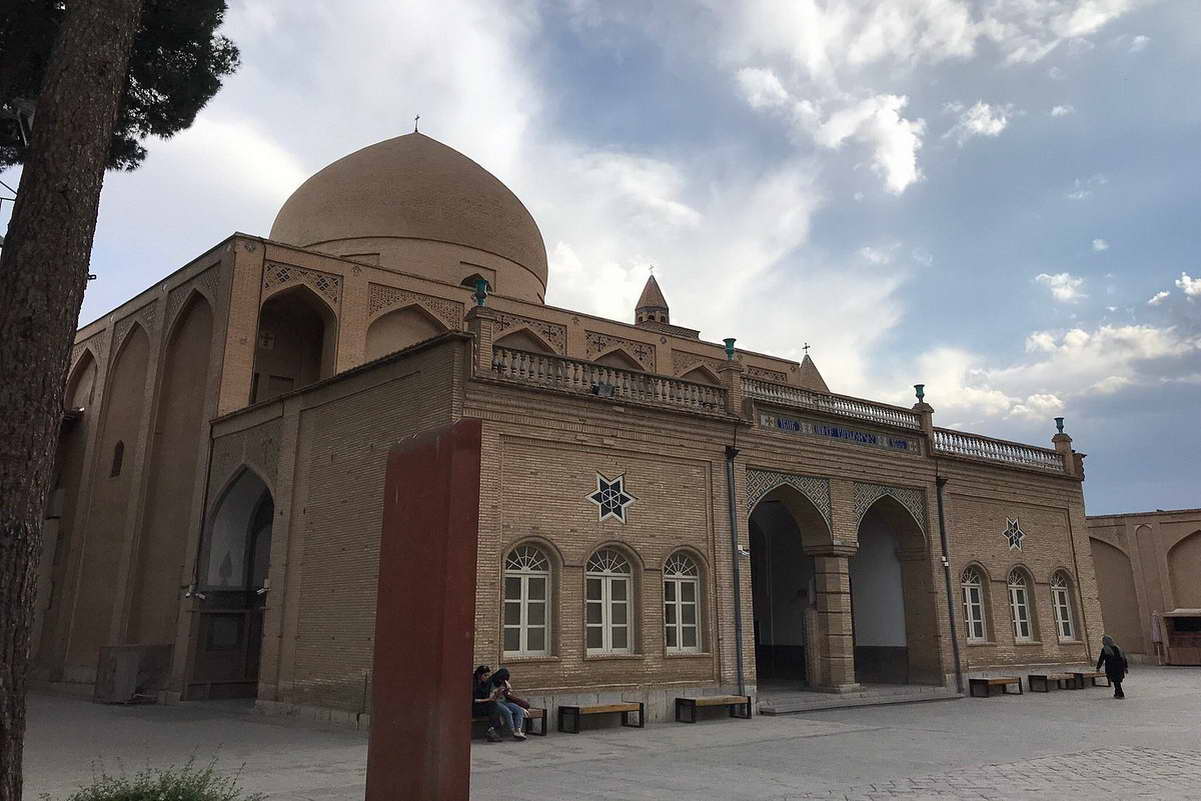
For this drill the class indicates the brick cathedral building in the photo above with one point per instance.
(659, 514)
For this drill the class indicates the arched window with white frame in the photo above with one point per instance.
(973, 604)
(608, 591)
(527, 602)
(681, 604)
(1019, 605)
(1061, 602)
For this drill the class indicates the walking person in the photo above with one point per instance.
(482, 704)
(1115, 663)
(510, 707)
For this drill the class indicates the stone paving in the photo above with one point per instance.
(1062, 745)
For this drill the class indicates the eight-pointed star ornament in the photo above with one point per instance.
(1014, 533)
(611, 498)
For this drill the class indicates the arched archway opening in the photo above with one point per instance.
(1119, 598)
(297, 343)
(174, 446)
(1184, 566)
(46, 636)
(893, 615)
(783, 526)
(399, 329)
(235, 560)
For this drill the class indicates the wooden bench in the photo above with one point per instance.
(739, 706)
(572, 714)
(1041, 682)
(986, 684)
(1092, 677)
(533, 713)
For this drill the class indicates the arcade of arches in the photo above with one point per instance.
(833, 615)
(1147, 567)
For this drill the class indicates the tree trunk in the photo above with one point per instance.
(43, 272)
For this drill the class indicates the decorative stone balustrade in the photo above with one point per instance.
(589, 378)
(831, 404)
(995, 450)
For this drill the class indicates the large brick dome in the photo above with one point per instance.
(417, 189)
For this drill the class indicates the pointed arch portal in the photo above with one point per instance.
(784, 525)
(235, 558)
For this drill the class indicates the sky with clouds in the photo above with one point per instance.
(999, 199)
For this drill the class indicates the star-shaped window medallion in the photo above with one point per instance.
(611, 498)
(1014, 533)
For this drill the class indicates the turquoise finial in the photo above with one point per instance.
(1059, 424)
(920, 391)
(481, 291)
(729, 347)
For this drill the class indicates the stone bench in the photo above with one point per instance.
(987, 683)
(1041, 682)
(572, 714)
(533, 713)
(1092, 677)
(739, 706)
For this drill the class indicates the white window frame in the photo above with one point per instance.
(1019, 606)
(610, 568)
(972, 583)
(681, 570)
(1061, 602)
(524, 564)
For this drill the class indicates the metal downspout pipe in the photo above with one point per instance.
(736, 557)
(941, 482)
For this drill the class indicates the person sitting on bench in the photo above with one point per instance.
(510, 707)
(482, 706)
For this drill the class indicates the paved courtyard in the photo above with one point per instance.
(1063, 745)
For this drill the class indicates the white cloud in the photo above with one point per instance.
(1111, 384)
(981, 119)
(875, 255)
(1064, 287)
(1058, 370)
(1100, 245)
(877, 122)
(1039, 406)
(761, 88)
(1158, 298)
(1139, 43)
(1082, 189)
(1063, 111)
(1190, 285)
(923, 257)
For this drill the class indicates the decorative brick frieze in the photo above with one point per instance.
(552, 334)
(278, 276)
(761, 482)
(912, 499)
(599, 344)
(206, 283)
(383, 299)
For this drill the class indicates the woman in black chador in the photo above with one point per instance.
(1115, 664)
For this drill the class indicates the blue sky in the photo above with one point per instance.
(987, 197)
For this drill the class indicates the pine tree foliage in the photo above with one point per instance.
(177, 65)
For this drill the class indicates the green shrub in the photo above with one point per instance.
(187, 783)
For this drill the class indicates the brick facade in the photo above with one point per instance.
(241, 390)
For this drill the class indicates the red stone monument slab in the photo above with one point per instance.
(420, 747)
